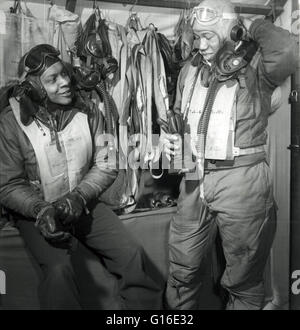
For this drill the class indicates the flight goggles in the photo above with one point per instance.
(208, 16)
(35, 59)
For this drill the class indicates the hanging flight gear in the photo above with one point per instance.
(172, 68)
(152, 87)
(91, 80)
(134, 22)
(94, 42)
(187, 40)
(21, 30)
(67, 26)
(89, 30)
(167, 54)
(143, 81)
(183, 44)
(174, 124)
(94, 49)
(160, 89)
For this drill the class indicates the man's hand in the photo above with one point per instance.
(169, 145)
(49, 228)
(69, 208)
(172, 130)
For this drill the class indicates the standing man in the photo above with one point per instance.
(53, 169)
(224, 95)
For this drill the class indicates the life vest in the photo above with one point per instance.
(60, 172)
(220, 135)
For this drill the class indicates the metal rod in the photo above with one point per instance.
(181, 4)
(295, 176)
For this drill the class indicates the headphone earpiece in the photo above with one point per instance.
(33, 90)
(237, 33)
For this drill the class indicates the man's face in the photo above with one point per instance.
(207, 42)
(57, 84)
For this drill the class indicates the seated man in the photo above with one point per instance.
(52, 173)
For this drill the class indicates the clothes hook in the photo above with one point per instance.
(271, 16)
(135, 3)
(15, 7)
(189, 5)
(97, 10)
(239, 11)
(95, 4)
(187, 9)
(273, 6)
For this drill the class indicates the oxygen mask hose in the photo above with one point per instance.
(204, 120)
(101, 89)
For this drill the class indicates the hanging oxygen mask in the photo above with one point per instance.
(93, 63)
(90, 74)
(92, 57)
(92, 78)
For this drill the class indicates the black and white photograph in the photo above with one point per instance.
(149, 157)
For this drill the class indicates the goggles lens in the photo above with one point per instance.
(205, 15)
(35, 59)
(209, 16)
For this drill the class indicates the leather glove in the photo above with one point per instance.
(69, 208)
(49, 227)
